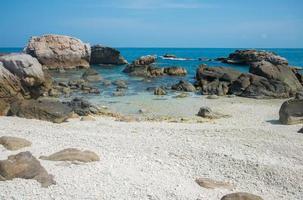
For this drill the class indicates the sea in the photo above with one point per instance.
(137, 97)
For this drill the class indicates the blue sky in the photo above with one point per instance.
(155, 23)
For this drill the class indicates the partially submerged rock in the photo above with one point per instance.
(175, 71)
(291, 112)
(24, 165)
(246, 57)
(106, 55)
(241, 196)
(206, 112)
(184, 86)
(91, 75)
(59, 51)
(82, 107)
(213, 184)
(43, 109)
(14, 143)
(169, 56)
(120, 84)
(159, 91)
(72, 154)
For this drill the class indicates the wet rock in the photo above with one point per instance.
(175, 71)
(241, 196)
(159, 91)
(24, 165)
(82, 107)
(213, 184)
(120, 84)
(106, 55)
(106, 82)
(91, 75)
(42, 109)
(291, 112)
(59, 51)
(206, 112)
(72, 154)
(184, 86)
(281, 73)
(14, 143)
(246, 57)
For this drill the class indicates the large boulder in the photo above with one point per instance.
(43, 109)
(247, 57)
(281, 73)
(59, 51)
(24, 165)
(253, 86)
(106, 55)
(291, 112)
(217, 73)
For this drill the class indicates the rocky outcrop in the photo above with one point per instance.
(277, 72)
(291, 112)
(14, 143)
(72, 154)
(106, 55)
(82, 107)
(44, 109)
(24, 165)
(184, 86)
(59, 51)
(241, 196)
(247, 57)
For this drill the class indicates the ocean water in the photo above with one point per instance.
(137, 96)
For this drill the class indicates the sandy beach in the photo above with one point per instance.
(160, 160)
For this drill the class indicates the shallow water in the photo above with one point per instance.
(137, 97)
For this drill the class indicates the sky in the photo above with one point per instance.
(155, 23)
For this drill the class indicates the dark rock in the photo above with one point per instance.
(44, 109)
(141, 67)
(301, 130)
(72, 154)
(241, 196)
(299, 95)
(159, 91)
(291, 112)
(246, 57)
(24, 165)
(59, 51)
(281, 73)
(175, 71)
(184, 86)
(217, 73)
(91, 75)
(82, 107)
(169, 56)
(106, 55)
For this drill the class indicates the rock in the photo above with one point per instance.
(91, 75)
(184, 86)
(175, 71)
(301, 130)
(210, 74)
(182, 95)
(24, 165)
(120, 84)
(106, 55)
(43, 109)
(299, 95)
(241, 196)
(246, 57)
(25, 67)
(82, 107)
(169, 56)
(212, 184)
(253, 86)
(159, 91)
(88, 118)
(213, 96)
(145, 60)
(206, 112)
(59, 51)
(291, 112)
(4, 108)
(14, 143)
(142, 111)
(72, 154)
(281, 73)
(141, 67)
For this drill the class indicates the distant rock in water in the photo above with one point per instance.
(246, 57)
(169, 56)
(106, 55)
(175, 71)
(59, 51)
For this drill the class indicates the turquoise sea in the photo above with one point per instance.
(137, 94)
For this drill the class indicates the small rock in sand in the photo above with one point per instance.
(212, 184)
(213, 97)
(88, 118)
(206, 112)
(14, 143)
(241, 196)
(24, 165)
(72, 154)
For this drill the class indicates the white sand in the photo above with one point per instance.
(162, 160)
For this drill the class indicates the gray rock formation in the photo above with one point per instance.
(184, 86)
(106, 55)
(291, 112)
(59, 51)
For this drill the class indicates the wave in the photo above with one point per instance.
(177, 59)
